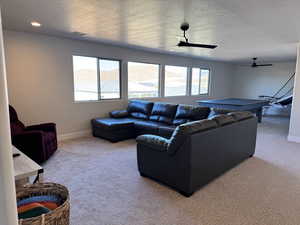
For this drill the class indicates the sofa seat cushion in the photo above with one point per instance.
(113, 129)
(139, 109)
(163, 112)
(146, 127)
(166, 131)
(113, 123)
(188, 113)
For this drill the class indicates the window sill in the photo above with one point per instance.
(176, 96)
(201, 95)
(145, 98)
(99, 101)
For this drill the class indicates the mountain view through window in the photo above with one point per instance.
(92, 83)
(175, 80)
(143, 80)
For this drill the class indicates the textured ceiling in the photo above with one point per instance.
(268, 29)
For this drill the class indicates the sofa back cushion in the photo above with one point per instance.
(163, 112)
(140, 109)
(119, 114)
(187, 113)
(183, 131)
(223, 120)
(238, 116)
(214, 112)
(16, 126)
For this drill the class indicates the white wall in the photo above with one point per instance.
(251, 82)
(40, 78)
(294, 132)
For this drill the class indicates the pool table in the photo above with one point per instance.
(237, 104)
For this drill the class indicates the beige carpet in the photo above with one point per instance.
(106, 188)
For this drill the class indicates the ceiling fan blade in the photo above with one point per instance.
(264, 65)
(245, 65)
(187, 44)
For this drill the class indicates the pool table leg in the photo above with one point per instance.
(259, 114)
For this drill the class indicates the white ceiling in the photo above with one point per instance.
(268, 29)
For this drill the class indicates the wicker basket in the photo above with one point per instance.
(59, 216)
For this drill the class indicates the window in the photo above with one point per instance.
(85, 78)
(143, 80)
(175, 80)
(95, 78)
(200, 81)
(109, 78)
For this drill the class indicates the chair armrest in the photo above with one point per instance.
(48, 127)
(35, 136)
(119, 114)
(30, 143)
(153, 142)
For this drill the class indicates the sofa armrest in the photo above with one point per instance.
(47, 127)
(119, 114)
(153, 142)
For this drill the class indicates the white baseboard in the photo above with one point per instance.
(74, 135)
(294, 139)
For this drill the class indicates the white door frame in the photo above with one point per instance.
(8, 205)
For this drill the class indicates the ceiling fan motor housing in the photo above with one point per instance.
(184, 26)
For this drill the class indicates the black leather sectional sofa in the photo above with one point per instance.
(145, 117)
(198, 151)
(182, 146)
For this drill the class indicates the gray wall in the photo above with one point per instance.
(251, 82)
(40, 78)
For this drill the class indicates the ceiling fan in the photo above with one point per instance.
(254, 64)
(184, 27)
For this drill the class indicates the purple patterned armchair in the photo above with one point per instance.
(38, 142)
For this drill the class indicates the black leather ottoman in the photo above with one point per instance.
(113, 129)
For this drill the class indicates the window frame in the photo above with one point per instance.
(99, 79)
(159, 79)
(120, 77)
(186, 82)
(124, 79)
(209, 81)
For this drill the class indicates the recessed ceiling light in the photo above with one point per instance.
(35, 24)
